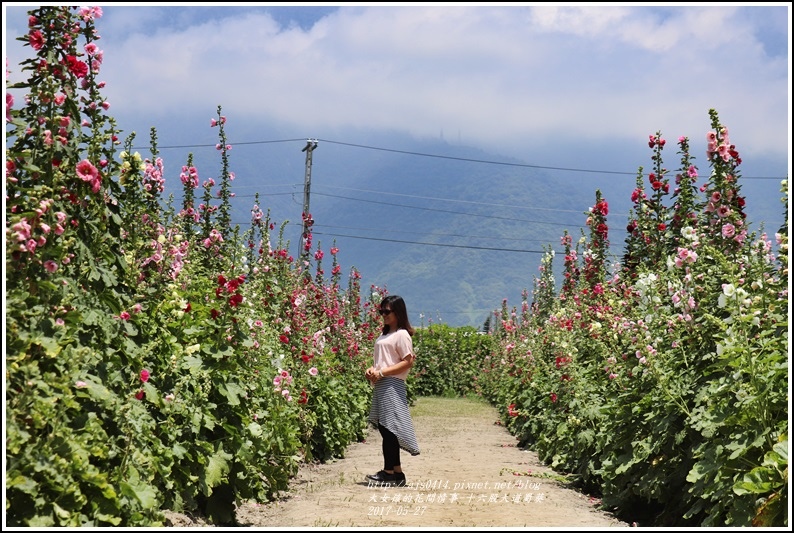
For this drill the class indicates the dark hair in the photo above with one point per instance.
(397, 305)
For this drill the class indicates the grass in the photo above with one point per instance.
(443, 407)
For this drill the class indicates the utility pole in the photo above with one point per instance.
(311, 144)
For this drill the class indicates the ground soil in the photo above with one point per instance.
(470, 474)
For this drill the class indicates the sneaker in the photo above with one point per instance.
(383, 477)
(399, 479)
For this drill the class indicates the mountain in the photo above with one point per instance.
(453, 229)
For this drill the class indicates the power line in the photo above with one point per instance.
(434, 234)
(443, 210)
(437, 156)
(503, 163)
(434, 244)
(453, 200)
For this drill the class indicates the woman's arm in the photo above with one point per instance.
(398, 368)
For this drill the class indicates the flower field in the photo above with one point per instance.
(158, 358)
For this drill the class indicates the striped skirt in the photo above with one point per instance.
(390, 409)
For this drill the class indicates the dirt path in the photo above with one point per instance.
(469, 474)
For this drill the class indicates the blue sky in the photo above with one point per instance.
(497, 76)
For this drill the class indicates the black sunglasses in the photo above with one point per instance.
(384, 312)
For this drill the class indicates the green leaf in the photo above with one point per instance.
(217, 468)
(140, 491)
(22, 483)
(758, 481)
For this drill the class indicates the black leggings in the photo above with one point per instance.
(391, 449)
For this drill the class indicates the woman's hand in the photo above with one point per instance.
(371, 374)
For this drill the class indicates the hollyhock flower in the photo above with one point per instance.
(9, 106)
(553, 397)
(145, 375)
(277, 380)
(86, 171)
(80, 384)
(728, 230)
(140, 394)
(76, 67)
(36, 40)
(313, 371)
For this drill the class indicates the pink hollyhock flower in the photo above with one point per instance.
(50, 266)
(80, 384)
(313, 371)
(86, 171)
(9, 106)
(145, 375)
(728, 230)
(126, 316)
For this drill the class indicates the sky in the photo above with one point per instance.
(498, 76)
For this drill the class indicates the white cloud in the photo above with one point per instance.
(494, 74)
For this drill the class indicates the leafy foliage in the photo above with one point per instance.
(663, 385)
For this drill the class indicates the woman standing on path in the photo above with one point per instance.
(393, 358)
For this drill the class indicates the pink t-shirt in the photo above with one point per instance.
(392, 348)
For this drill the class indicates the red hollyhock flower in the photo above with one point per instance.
(553, 397)
(236, 299)
(76, 67)
(140, 394)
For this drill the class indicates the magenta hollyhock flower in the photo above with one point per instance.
(145, 375)
(36, 40)
(126, 316)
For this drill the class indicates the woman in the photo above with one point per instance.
(393, 358)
